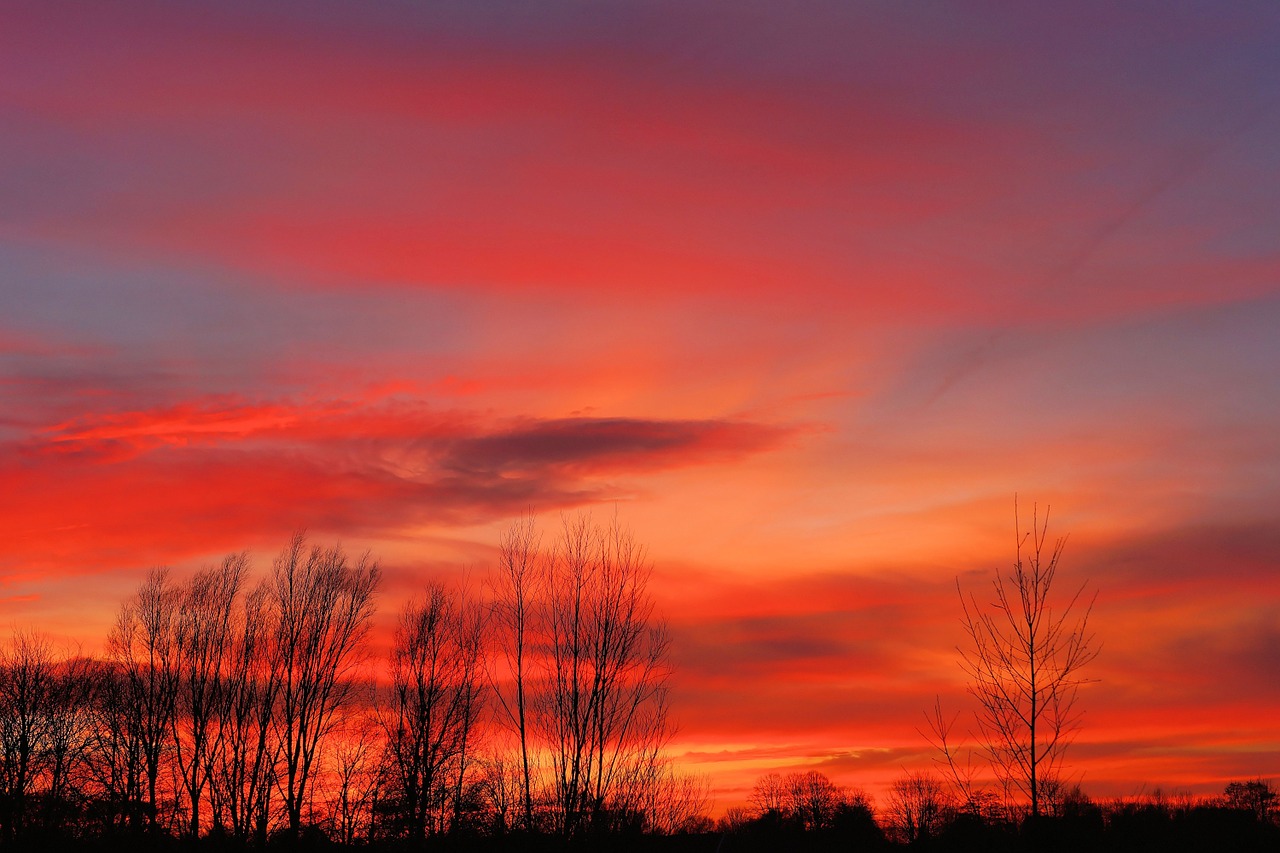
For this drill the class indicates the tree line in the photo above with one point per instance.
(923, 811)
(249, 709)
(253, 708)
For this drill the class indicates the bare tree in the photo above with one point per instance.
(602, 702)
(358, 771)
(44, 732)
(1024, 660)
(769, 795)
(68, 735)
(324, 605)
(919, 806)
(115, 761)
(141, 649)
(813, 799)
(244, 767)
(203, 643)
(472, 622)
(514, 590)
(213, 701)
(436, 675)
(734, 820)
(501, 782)
(675, 802)
(27, 684)
(806, 800)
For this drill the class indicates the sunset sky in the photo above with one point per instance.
(805, 292)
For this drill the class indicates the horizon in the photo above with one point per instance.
(805, 297)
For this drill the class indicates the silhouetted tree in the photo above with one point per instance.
(203, 645)
(769, 794)
(735, 820)
(919, 806)
(1023, 659)
(1256, 795)
(69, 738)
(436, 678)
(501, 786)
(141, 649)
(674, 802)
(113, 764)
(515, 591)
(324, 605)
(243, 772)
(813, 799)
(472, 624)
(27, 684)
(805, 810)
(360, 773)
(601, 707)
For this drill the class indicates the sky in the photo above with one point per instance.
(805, 293)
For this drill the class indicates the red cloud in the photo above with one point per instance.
(204, 475)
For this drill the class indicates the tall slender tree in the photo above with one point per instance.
(1024, 659)
(324, 604)
(141, 650)
(244, 767)
(515, 591)
(203, 643)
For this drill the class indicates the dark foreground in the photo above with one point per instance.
(1133, 828)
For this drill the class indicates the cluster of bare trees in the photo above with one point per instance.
(809, 800)
(245, 707)
(919, 806)
(921, 810)
(43, 732)
(216, 696)
(802, 810)
(581, 683)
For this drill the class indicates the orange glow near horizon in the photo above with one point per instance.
(804, 300)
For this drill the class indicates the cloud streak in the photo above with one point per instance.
(185, 475)
(604, 444)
